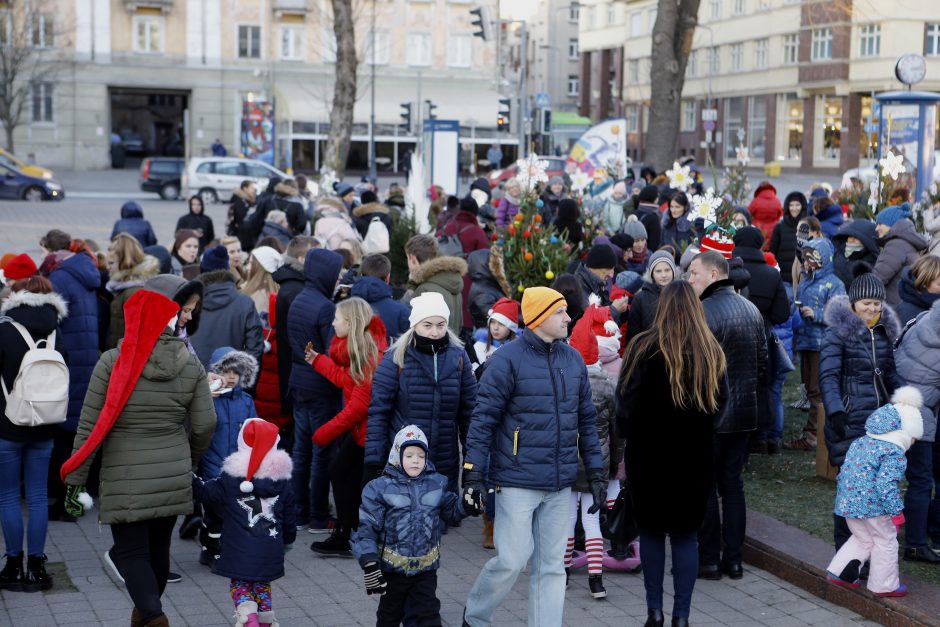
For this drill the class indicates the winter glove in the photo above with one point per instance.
(473, 492)
(319, 437)
(77, 500)
(598, 482)
(371, 471)
(374, 579)
(898, 520)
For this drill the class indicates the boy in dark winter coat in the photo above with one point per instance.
(256, 501)
(133, 223)
(398, 543)
(233, 406)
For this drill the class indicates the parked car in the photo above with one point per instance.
(15, 184)
(556, 167)
(133, 143)
(161, 175)
(215, 177)
(36, 171)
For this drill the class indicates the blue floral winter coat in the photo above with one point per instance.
(400, 520)
(815, 292)
(232, 410)
(534, 414)
(435, 392)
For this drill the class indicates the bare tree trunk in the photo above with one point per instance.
(672, 42)
(9, 128)
(344, 90)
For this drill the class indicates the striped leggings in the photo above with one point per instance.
(593, 540)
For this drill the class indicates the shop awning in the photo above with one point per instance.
(569, 118)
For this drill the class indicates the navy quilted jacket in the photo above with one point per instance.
(232, 410)
(76, 280)
(533, 415)
(439, 406)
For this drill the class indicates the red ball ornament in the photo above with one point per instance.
(495, 237)
(526, 234)
(511, 229)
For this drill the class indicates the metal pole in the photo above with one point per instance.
(419, 113)
(372, 167)
(523, 96)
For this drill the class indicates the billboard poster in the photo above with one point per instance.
(603, 145)
(258, 129)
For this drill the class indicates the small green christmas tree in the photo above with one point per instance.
(533, 252)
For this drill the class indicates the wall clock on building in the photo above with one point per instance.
(910, 68)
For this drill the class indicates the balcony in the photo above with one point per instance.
(289, 7)
(163, 5)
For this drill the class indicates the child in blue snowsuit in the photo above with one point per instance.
(398, 542)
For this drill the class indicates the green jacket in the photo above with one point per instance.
(443, 275)
(147, 457)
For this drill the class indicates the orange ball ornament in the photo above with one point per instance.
(537, 217)
(528, 256)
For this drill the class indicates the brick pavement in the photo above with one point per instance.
(328, 592)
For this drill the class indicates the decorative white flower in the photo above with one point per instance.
(873, 195)
(742, 154)
(679, 176)
(531, 171)
(892, 165)
(580, 180)
(706, 206)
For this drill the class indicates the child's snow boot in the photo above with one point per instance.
(247, 614)
(266, 619)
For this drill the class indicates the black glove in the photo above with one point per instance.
(371, 471)
(598, 481)
(473, 492)
(374, 579)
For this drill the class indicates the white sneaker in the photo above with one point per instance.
(110, 563)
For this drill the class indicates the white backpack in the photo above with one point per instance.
(377, 240)
(40, 393)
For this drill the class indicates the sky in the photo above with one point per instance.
(517, 9)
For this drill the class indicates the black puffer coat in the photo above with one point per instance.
(643, 309)
(783, 238)
(856, 372)
(739, 328)
(484, 288)
(864, 231)
(765, 288)
(290, 279)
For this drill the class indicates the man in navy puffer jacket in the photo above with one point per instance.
(533, 416)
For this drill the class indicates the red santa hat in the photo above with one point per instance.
(506, 312)
(583, 339)
(19, 267)
(602, 324)
(260, 437)
(717, 241)
(771, 260)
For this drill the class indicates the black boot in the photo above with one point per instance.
(337, 545)
(654, 618)
(680, 621)
(35, 578)
(11, 577)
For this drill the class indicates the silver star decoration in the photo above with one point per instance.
(273, 532)
(258, 509)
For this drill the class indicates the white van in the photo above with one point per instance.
(214, 178)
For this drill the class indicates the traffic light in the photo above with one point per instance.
(431, 107)
(406, 114)
(502, 118)
(545, 122)
(482, 22)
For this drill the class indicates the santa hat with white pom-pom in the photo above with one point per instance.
(260, 437)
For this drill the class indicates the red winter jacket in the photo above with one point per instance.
(765, 210)
(356, 397)
(472, 237)
(268, 391)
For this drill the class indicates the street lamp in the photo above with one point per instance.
(372, 169)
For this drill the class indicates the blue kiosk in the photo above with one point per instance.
(908, 123)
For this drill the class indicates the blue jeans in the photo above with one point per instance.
(311, 474)
(529, 523)
(921, 508)
(684, 569)
(730, 453)
(776, 399)
(31, 461)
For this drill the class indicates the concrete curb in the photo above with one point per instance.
(801, 559)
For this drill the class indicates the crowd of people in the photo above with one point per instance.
(274, 380)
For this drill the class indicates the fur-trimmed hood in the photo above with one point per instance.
(369, 207)
(31, 299)
(240, 362)
(240, 193)
(843, 321)
(275, 466)
(293, 264)
(286, 189)
(148, 268)
(330, 206)
(439, 265)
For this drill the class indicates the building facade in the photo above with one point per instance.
(792, 80)
(172, 76)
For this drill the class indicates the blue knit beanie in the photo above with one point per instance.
(890, 215)
(214, 259)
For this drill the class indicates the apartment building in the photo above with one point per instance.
(792, 80)
(175, 75)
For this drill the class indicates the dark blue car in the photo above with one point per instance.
(16, 185)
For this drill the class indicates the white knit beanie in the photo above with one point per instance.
(269, 258)
(428, 305)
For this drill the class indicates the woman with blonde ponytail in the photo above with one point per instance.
(671, 389)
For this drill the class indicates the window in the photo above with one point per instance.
(791, 49)
(612, 84)
(828, 127)
(249, 42)
(573, 48)
(148, 34)
(381, 49)
(734, 126)
(419, 49)
(651, 18)
(933, 40)
(636, 24)
(42, 30)
(715, 9)
(790, 128)
(574, 12)
(459, 50)
(822, 45)
(738, 7)
(756, 126)
(737, 57)
(761, 52)
(328, 44)
(691, 66)
(633, 71)
(573, 85)
(589, 16)
(42, 102)
(869, 40)
(632, 116)
(292, 43)
(611, 13)
(688, 116)
(714, 60)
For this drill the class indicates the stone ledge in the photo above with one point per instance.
(801, 559)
